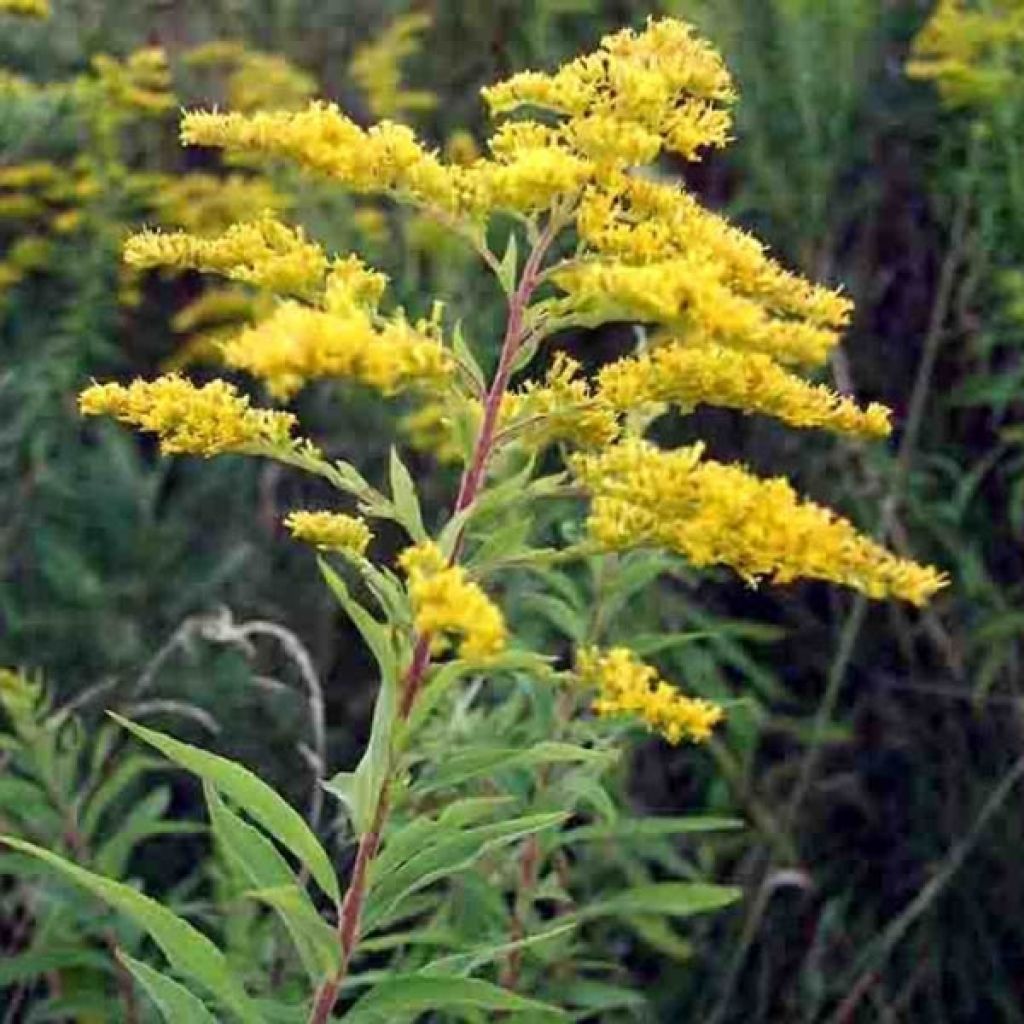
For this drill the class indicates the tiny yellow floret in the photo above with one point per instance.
(626, 686)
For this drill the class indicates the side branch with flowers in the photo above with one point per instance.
(604, 238)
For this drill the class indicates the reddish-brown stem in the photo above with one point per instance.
(350, 914)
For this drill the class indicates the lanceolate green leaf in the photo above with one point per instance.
(375, 633)
(471, 763)
(262, 866)
(360, 789)
(407, 504)
(638, 829)
(252, 795)
(664, 899)
(471, 960)
(448, 855)
(417, 993)
(172, 999)
(189, 951)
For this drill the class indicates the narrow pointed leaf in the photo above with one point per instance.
(262, 866)
(407, 502)
(253, 796)
(189, 951)
(418, 993)
(172, 999)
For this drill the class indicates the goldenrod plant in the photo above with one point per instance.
(569, 212)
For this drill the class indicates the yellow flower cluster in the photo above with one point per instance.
(297, 344)
(385, 158)
(264, 252)
(445, 601)
(639, 221)
(561, 409)
(205, 204)
(719, 514)
(377, 69)
(255, 80)
(346, 338)
(26, 8)
(140, 84)
(665, 87)
(688, 295)
(973, 55)
(208, 420)
(330, 531)
(626, 686)
(688, 376)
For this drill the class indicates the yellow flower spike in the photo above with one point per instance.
(636, 221)
(445, 601)
(140, 84)
(713, 514)
(205, 204)
(297, 344)
(626, 686)
(688, 376)
(664, 87)
(265, 252)
(972, 55)
(351, 284)
(210, 420)
(330, 531)
(385, 158)
(688, 295)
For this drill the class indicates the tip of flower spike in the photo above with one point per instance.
(330, 531)
(627, 686)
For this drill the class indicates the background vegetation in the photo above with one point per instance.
(875, 752)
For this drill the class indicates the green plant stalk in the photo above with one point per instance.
(350, 914)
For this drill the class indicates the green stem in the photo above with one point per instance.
(351, 911)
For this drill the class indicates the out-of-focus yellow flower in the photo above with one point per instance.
(718, 514)
(626, 686)
(208, 420)
(256, 80)
(445, 601)
(972, 54)
(688, 376)
(205, 204)
(26, 8)
(432, 429)
(330, 531)
(264, 252)
(377, 69)
(140, 84)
